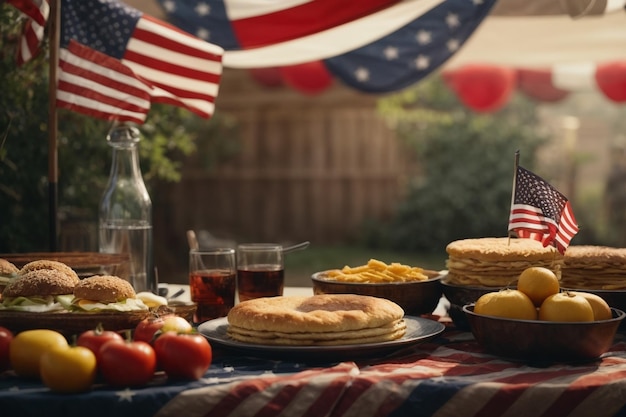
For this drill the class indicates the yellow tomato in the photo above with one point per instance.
(538, 283)
(508, 303)
(176, 324)
(27, 348)
(69, 369)
(566, 307)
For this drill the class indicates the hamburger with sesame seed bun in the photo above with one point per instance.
(39, 290)
(105, 293)
(49, 264)
(8, 271)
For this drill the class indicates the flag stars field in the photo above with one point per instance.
(169, 6)
(203, 33)
(424, 37)
(391, 52)
(452, 20)
(453, 45)
(203, 9)
(422, 62)
(362, 74)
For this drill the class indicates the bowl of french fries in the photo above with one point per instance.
(416, 290)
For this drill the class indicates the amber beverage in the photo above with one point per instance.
(260, 281)
(260, 270)
(213, 292)
(213, 282)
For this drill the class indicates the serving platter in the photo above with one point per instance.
(418, 330)
(73, 323)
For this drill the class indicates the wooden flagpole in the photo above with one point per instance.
(53, 166)
(515, 166)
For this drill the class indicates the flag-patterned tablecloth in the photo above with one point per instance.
(446, 376)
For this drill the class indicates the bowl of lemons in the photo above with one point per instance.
(539, 322)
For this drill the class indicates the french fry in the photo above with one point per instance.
(376, 271)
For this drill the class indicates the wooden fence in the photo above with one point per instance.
(309, 168)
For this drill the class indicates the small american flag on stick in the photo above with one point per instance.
(539, 211)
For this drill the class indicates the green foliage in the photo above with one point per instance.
(463, 185)
(23, 151)
(83, 154)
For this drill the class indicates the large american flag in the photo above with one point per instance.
(539, 211)
(370, 45)
(114, 61)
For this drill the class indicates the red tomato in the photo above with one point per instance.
(5, 340)
(183, 356)
(94, 339)
(146, 329)
(127, 363)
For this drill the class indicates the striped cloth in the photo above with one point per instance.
(447, 377)
(452, 377)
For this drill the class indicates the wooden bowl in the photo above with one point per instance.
(543, 341)
(415, 297)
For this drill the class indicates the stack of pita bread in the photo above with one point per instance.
(497, 261)
(325, 319)
(594, 267)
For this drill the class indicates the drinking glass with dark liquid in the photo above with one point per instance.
(260, 270)
(213, 282)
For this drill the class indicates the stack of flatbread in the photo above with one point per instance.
(594, 267)
(497, 261)
(325, 319)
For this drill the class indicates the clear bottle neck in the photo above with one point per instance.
(125, 197)
(125, 163)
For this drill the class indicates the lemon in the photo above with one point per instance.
(538, 283)
(601, 309)
(566, 307)
(507, 303)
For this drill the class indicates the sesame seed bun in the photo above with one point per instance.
(41, 282)
(48, 264)
(104, 289)
(7, 268)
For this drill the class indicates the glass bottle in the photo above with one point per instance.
(125, 215)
